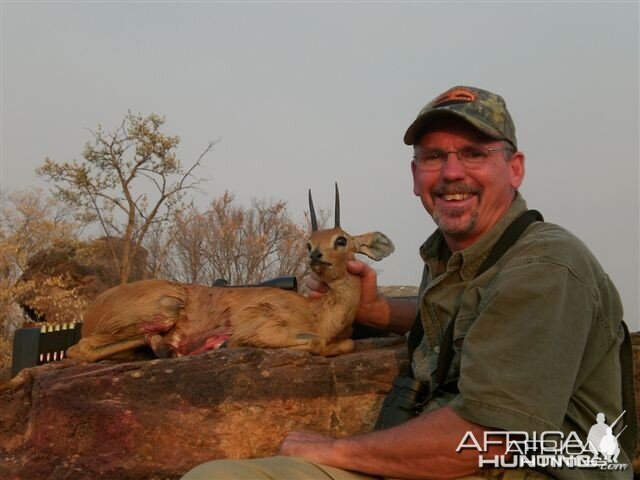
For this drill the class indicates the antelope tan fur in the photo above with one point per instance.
(176, 319)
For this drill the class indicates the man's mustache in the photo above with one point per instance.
(455, 188)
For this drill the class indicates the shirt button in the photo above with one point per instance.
(436, 349)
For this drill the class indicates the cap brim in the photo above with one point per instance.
(420, 125)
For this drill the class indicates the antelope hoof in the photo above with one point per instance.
(339, 348)
(159, 346)
(162, 351)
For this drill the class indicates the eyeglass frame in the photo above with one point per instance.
(464, 161)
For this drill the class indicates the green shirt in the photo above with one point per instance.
(536, 339)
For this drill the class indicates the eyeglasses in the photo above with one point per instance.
(432, 159)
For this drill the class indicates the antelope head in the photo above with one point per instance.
(329, 250)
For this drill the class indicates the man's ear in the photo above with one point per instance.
(516, 170)
(416, 189)
(374, 245)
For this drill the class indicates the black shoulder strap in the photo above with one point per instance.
(509, 237)
(445, 357)
(629, 437)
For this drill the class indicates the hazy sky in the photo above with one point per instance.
(303, 94)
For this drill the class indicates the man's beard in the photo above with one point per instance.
(450, 223)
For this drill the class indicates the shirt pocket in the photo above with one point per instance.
(467, 315)
(424, 362)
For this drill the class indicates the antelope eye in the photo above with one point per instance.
(309, 247)
(340, 242)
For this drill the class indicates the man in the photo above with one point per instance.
(536, 336)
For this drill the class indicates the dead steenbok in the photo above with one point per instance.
(176, 319)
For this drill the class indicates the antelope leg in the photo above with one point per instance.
(100, 346)
(307, 342)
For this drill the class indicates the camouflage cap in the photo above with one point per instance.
(484, 110)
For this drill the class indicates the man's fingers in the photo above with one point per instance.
(356, 267)
(368, 276)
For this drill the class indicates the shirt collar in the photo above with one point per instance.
(438, 257)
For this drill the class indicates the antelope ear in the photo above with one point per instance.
(374, 245)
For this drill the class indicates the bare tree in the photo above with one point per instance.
(30, 221)
(159, 243)
(128, 180)
(249, 245)
(243, 245)
(177, 251)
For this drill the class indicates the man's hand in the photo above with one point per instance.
(309, 445)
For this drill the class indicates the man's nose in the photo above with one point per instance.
(452, 168)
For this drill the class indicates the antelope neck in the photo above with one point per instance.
(339, 305)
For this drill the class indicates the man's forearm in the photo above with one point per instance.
(395, 315)
(423, 448)
(402, 313)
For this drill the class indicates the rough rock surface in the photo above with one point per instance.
(157, 419)
(399, 291)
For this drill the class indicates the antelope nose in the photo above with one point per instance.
(316, 254)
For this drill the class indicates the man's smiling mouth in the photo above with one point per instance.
(452, 197)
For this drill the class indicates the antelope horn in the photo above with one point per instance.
(337, 207)
(312, 212)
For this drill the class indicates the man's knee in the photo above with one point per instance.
(271, 468)
(221, 469)
(500, 474)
